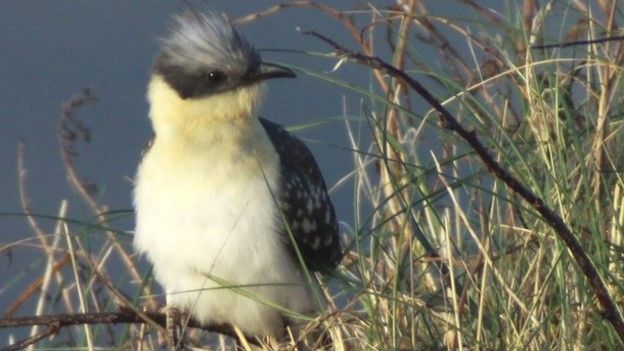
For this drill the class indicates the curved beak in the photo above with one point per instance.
(270, 71)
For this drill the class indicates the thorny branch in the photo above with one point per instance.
(610, 310)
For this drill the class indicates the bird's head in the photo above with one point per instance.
(206, 70)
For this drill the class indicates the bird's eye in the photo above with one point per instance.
(215, 77)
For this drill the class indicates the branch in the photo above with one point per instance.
(610, 310)
(52, 329)
(56, 321)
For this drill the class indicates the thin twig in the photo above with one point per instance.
(34, 287)
(22, 172)
(610, 310)
(346, 20)
(52, 329)
(566, 44)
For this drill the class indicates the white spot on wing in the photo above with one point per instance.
(328, 240)
(308, 226)
(317, 242)
(327, 215)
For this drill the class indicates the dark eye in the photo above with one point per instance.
(214, 77)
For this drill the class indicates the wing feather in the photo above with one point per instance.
(304, 201)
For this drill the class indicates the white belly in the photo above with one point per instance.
(209, 214)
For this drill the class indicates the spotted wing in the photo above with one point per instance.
(304, 201)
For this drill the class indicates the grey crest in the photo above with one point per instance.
(206, 40)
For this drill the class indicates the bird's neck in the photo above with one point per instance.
(218, 127)
(200, 120)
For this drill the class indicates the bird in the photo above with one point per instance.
(232, 210)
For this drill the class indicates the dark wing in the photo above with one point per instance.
(304, 201)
